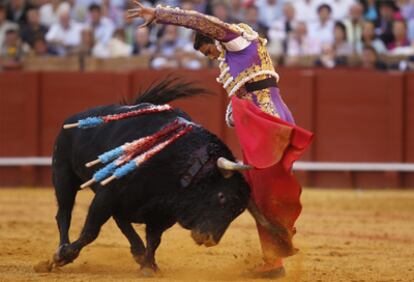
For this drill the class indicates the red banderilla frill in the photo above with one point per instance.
(95, 121)
(131, 155)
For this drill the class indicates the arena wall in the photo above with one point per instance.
(357, 116)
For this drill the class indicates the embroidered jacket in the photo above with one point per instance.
(243, 55)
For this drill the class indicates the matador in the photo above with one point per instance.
(265, 128)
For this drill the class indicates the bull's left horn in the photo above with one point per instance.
(224, 163)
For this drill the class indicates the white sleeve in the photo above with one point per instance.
(237, 44)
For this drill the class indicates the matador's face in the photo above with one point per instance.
(210, 50)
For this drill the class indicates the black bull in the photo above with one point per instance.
(160, 193)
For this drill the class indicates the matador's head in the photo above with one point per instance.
(206, 45)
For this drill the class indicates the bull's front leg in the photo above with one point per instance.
(99, 212)
(153, 235)
(137, 246)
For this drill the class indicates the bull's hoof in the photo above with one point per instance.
(267, 274)
(140, 259)
(149, 272)
(64, 255)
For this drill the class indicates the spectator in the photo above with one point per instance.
(33, 29)
(17, 10)
(399, 30)
(306, 10)
(168, 49)
(322, 30)
(236, 11)
(142, 44)
(387, 9)
(115, 48)
(300, 44)
(370, 10)
(336, 54)
(65, 35)
(327, 58)
(5, 24)
(79, 9)
(340, 8)
(114, 10)
(220, 10)
(341, 45)
(40, 47)
(410, 27)
(13, 50)
(269, 11)
(281, 29)
(251, 18)
(370, 59)
(354, 24)
(102, 27)
(129, 27)
(48, 12)
(369, 38)
(406, 8)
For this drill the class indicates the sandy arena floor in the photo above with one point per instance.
(343, 235)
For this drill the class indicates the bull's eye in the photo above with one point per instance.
(222, 198)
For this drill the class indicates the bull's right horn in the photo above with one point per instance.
(224, 163)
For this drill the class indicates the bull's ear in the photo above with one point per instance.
(226, 173)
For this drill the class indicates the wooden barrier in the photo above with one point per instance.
(357, 116)
(33, 63)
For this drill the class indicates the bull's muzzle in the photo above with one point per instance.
(203, 239)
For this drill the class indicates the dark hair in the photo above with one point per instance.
(399, 21)
(200, 39)
(324, 6)
(94, 7)
(389, 4)
(342, 27)
(2, 7)
(11, 31)
(39, 37)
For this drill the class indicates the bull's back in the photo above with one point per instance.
(157, 180)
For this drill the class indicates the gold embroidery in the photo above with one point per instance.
(264, 100)
(266, 65)
(263, 97)
(208, 25)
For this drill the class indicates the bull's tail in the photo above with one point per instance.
(169, 89)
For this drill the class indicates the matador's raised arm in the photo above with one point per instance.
(208, 25)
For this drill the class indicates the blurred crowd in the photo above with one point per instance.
(326, 33)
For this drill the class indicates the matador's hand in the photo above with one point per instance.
(148, 14)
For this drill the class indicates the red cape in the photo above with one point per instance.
(271, 145)
(265, 139)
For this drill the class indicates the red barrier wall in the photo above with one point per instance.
(19, 129)
(66, 93)
(357, 116)
(409, 127)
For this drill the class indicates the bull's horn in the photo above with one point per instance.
(229, 165)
